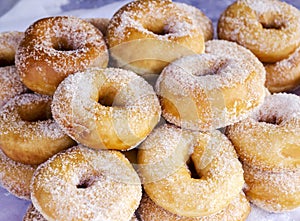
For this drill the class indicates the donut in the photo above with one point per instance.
(269, 28)
(9, 42)
(212, 90)
(11, 84)
(166, 160)
(56, 47)
(15, 177)
(106, 108)
(237, 210)
(284, 75)
(99, 23)
(155, 33)
(86, 184)
(272, 191)
(32, 214)
(269, 137)
(200, 20)
(28, 134)
(267, 144)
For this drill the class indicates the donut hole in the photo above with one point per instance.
(268, 22)
(156, 28)
(107, 97)
(191, 166)
(271, 120)
(6, 62)
(271, 26)
(63, 44)
(35, 112)
(85, 183)
(211, 68)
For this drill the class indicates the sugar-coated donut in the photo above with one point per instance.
(200, 20)
(100, 23)
(9, 42)
(284, 75)
(212, 90)
(106, 108)
(15, 177)
(32, 214)
(237, 210)
(272, 191)
(268, 145)
(11, 84)
(167, 180)
(56, 47)
(269, 137)
(86, 184)
(146, 35)
(27, 132)
(269, 28)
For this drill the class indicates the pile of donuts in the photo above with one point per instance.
(145, 117)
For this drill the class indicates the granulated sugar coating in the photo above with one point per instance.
(11, 84)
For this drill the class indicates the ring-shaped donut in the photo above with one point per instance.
(269, 28)
(153, 41)
(28, 134)
(56, 47)
(168, 181)
(207, 91)
(86, 184)
(106, 108)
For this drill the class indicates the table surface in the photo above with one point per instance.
(17, 15)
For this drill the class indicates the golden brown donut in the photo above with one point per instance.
(56, 47)
(212, 90)
(269, 28)
(155, 33)
(237, 210)
(86, 184)
(11, 84)
(15, 177)
(268, 145)
(28, 134)
(106, 108)
(200, 20)
(284, 75)
(9, 42)
(272, 191)
(163, 166)
(268, 139)
(100, 23)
